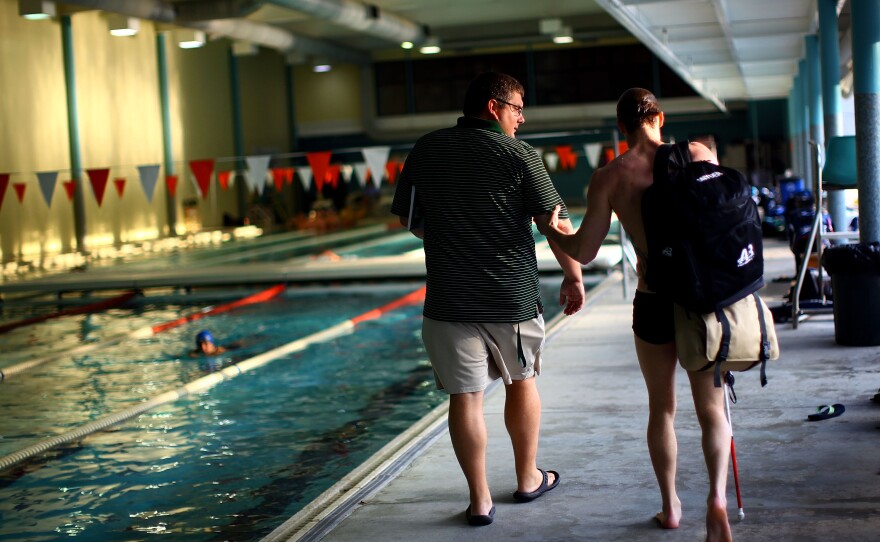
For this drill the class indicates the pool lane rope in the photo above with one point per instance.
(145, 332)
(208, 381)
(92, 307)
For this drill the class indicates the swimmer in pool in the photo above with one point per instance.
(206, 345)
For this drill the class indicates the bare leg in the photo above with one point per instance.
(658, 363)
(467, 428)
(709, 404)
(522, 417)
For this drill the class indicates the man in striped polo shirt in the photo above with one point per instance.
(475, 188)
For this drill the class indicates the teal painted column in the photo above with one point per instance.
(866, 86)
(829, 55)
(816, 131)
(79, 212)
(167, 155)
(804, 114)
(241, 191)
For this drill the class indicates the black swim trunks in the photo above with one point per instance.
(653, 320)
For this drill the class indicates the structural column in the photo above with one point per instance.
(804, 118)
(816, 132)
(76, 173)
(829, 54)
(167, 154)
(866, 85)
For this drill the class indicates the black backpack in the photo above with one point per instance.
(705, 249)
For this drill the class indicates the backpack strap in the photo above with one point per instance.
(724, 349)
(764, 355)
(680, 155)
(661, 162)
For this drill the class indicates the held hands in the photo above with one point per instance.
(571, 296)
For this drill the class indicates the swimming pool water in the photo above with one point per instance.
(232, 462)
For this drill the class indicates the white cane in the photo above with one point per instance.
(739, 503)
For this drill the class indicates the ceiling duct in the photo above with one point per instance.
(234, 28)
(361, 17)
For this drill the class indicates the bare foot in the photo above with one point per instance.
(717, 526)
(668, 519)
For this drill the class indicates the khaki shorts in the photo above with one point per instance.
(467, 357)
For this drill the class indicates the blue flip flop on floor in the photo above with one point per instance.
(827, 411)
(543, 488)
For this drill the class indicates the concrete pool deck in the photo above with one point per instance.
(800, 480)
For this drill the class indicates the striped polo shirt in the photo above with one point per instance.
(477, 190)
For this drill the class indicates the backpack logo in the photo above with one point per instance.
(747, 255)
(709, 176)
(667, 252)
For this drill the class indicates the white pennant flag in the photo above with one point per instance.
(47, 180)
(258, 166)
(346, 170)
(360, 169)
(552, 160)
(593, 152)
(376, 158)
(149, 175)
(305, 177)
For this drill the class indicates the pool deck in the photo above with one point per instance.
(800, 480)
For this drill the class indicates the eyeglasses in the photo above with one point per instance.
(516, 108)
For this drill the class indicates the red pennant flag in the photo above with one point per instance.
(290, 172)
(120, 185)
(171, 183)
(319, 162)
(202, 170)
(223, 179)
(391, 169)
(4, 183)
(567, 158)
(19, 190)
(98, 177)
(333, 173)
(70, 188)
(278, 175)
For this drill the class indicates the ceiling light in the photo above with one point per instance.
(120, 25)
(406, 45)
(35, 10)
(321, 65)
(430, 47)
(189, 39)
(563, 36)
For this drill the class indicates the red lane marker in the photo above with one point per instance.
(94, 307)
(408, 299)
(259, 297)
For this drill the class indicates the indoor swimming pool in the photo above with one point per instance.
(231, 462)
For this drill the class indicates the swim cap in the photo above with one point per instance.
(204, 336)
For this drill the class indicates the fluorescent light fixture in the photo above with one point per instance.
(34, 10)
(563, 36)
(189, 39)
(407, 45)
(120, 25)
(430, 47)
(321, 65)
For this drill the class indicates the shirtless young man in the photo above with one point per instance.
(618, 187)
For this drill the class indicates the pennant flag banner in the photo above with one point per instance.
(319, 161)
(149, 174)
(362, 172)
(552, 160)
(333, 173)
(47, 181)
(98, 178)
(305, 177)
(202, 170)
(171, 184)
(70, 188)
(19, 190)
(256, 173)
(376, 158)
(278, 176)
(347, 170)
(120, 185)
(223, 179)
(289, 174)
(567, 157)
(392, 168)
(593, 152)
(4, 184)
